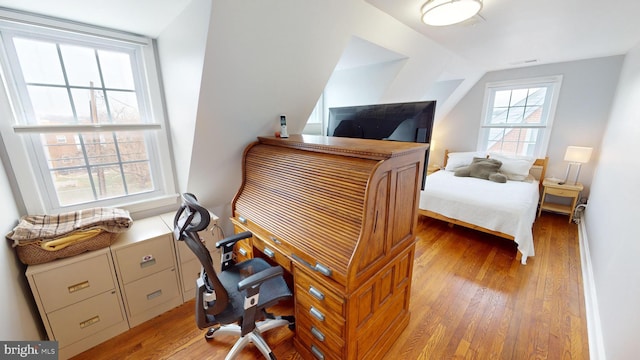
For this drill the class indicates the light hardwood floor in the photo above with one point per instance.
(471, 299)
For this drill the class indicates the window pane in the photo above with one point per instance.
(61, 154)
(499, 115)
(502, 98)
(39, 61)
(100, 148)
(132, 146)
(80, 64)
(138, 177)
(72, 186)
(124, 107)
(537, 96)
(84, 100)
(108, 181)
(51, 105)
(516, 115)
(518, 97)
(116, 70)
(118, 163)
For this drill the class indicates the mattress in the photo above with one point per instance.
(508, 207)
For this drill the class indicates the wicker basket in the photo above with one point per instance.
(32, 254)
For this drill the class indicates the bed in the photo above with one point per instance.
(507, 210)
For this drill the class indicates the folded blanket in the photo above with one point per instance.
(38, 228)
(70, 239)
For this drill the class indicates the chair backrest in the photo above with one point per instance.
(189, 219)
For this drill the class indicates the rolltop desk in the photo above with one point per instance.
(339, 214)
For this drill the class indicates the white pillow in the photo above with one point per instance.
(514, 167)
(456, 160)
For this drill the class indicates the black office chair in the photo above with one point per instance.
(234, 300)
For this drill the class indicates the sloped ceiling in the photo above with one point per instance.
(506, 34)
(517, 33)
(143, 17)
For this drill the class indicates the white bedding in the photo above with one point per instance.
(508, 207)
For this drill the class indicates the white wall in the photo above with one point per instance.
(19, 317)
(267, 58)
(181, 48)
(611, 219)
(362, 85)
(586, 95)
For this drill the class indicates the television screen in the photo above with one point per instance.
(410, 121)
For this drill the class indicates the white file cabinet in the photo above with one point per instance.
(145, 261)
(89, 298)
(79, 300)
(188, 263)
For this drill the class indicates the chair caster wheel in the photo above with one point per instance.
(210, 333)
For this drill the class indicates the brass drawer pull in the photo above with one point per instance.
(154, 294)
(78, 287)
(316, 293)
(89, 322)
(316, 313)
(317, 353)
(317, 334)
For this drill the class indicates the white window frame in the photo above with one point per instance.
(552, 83)
(17, 135)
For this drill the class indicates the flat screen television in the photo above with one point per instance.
(409, 121)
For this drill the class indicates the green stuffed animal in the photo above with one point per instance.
(483, 168)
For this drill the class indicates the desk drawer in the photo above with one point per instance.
(75, 282)
(86, 318)
(561, 192)
(310, 333)
(151, 291)
(312, 292)
(324, 320)
(319, 350)
(272, 252)
(145, 258)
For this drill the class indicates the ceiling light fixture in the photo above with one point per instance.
(449, 12)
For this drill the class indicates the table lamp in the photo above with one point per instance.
(576, 155)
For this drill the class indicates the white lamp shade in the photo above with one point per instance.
(578, 154)
(448, 12)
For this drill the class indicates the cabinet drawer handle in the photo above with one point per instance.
(322, 269)
(147, 260)
(316, 313)
(317, 334)
(269, 252)
(154, 294)
(89, 322)
(316, 293)
(317, 353)
(318, 267)
(275, 240)
(78, 287)
(242, 252)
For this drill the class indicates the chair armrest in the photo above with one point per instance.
(260, 277)
(231, 240)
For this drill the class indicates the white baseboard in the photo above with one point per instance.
(594, 328)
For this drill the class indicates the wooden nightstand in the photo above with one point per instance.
(571, 191)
